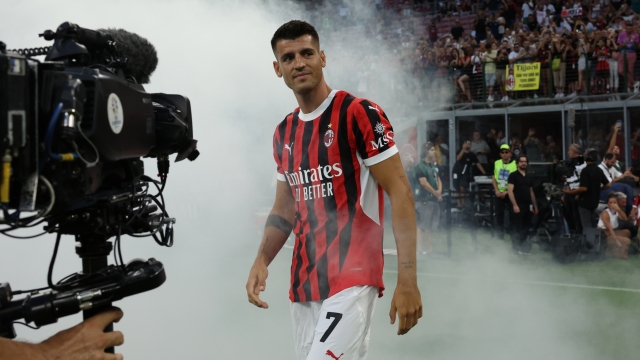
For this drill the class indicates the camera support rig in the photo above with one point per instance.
(68, 154)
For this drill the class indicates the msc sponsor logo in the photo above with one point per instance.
(382, 140)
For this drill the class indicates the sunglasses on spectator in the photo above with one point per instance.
(505, 152)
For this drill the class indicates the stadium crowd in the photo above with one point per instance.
(583, 47)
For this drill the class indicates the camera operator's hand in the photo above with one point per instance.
(87, 340)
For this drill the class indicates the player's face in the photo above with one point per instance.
(299, 62)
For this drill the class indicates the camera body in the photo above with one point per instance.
(73, 131)
(77, 121)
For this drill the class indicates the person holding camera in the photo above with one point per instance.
(86, 340)
(428, 197)
(592, 181)
(501, 171)
(523, 206)
(462, 171)
(576, 164)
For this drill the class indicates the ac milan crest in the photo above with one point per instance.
(328, 138)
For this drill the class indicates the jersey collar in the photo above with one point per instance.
(317, 112)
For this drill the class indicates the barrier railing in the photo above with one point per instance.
(586, 75)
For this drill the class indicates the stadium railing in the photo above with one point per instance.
(470, 83)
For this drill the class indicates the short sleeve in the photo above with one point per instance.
(277, 155)
(605, 180)
(512, 178)
(473, 158)
(373, 133)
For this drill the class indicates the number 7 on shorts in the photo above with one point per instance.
(336, 319)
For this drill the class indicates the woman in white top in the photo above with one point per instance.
(617, 240)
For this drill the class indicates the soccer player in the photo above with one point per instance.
(335, 154)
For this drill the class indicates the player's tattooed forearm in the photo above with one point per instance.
(269, 256)
(279, 223)
(407, 264)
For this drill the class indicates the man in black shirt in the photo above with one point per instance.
(523, 207)
(457, 30)
(592, 181)
(570, 205)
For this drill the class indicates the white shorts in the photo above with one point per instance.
(335, 328)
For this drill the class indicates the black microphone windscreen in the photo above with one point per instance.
(141, 55)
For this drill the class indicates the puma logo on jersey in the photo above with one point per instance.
(374, 108)
(330, 353)
(288, 147)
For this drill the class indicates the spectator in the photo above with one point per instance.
(544, 56)
(558, 64)
(494, 28)
(613, 46)
(516, 146)
(630, 223)
(509, 13)
(457, 30)
(502, 61)
(489, 58)
(531, 23)
(480, 26)
(616, 179)
(523, 206)
(533, 146)
(501, 171)
(528, 9)
(582, 50)
(592, 181)
(480, 148)
(628, 41)
(433, 32)
(442, 151)
(551, 153)
(462, 171)
(575, 164)
(571, 58)
(602, 54)
(617, 240)
(494, 148)
(427, 199)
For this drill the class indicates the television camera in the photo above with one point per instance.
(74, 130)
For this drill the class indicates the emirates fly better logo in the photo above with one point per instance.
(302, 181)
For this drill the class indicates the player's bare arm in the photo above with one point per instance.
(406, 302)
(277, 229)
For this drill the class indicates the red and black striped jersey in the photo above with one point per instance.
(325, 156)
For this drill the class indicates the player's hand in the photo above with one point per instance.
(85, 341)
(516, 209)
(256, 284)
(407, 304)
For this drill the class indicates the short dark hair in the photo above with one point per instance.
(523, 156)
(609, 156)
(612, 195)
(293, 30)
